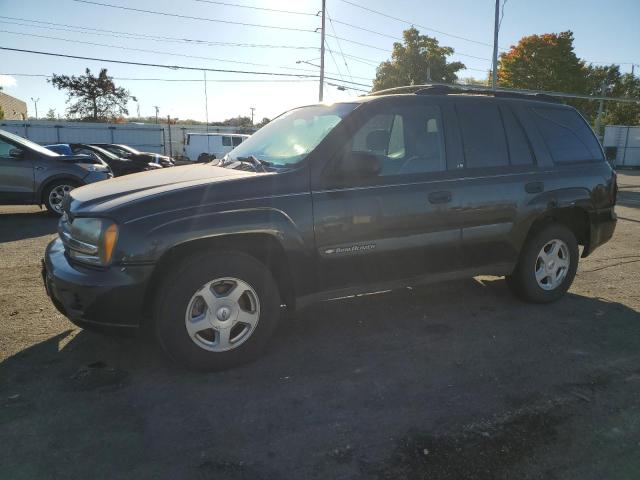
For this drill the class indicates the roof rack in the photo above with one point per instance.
(443, 89)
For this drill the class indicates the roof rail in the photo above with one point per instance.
(443, 89)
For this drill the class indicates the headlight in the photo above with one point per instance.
(90, 240)
(93, 167)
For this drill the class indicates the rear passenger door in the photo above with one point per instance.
(497, 174)
(395, 224)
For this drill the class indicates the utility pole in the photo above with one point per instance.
(157, 109)
(252, 110)
(322, 51)
(169, 130)
(35, 105)
(496, 27)
(600, 108)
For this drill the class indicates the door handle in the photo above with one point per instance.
(38, 167)
(440, 197)
(534, 187)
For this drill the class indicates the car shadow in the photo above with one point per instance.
(24, 225)
(339, 380)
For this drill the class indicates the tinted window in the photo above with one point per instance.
(482, 135)
(519, 149)
(236, 141)
(226, 141)
(566, 134)
(406, 141)
(4, 148)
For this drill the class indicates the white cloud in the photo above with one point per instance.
(7, 81)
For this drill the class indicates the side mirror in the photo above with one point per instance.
(16, 153)
(359, 164)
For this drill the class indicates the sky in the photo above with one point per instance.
(604, 32)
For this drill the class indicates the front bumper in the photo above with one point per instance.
(108, 299)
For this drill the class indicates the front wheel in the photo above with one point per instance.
(547, 265)
(216, 311)
(54, 194)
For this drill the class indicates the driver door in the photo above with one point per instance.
(16, 176)
(394, 224)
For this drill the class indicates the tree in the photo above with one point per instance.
(543, 62)
(263, 122)
(419, 59)
(615, 84)
(93, 97)
(1, 114)
(51, 114)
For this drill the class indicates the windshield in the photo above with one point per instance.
(23, 142)
(289, 138)
(104, 152)
(127, 148)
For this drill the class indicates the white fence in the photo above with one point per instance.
(144, 137)
(623, 144)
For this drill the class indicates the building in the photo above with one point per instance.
(13, 108)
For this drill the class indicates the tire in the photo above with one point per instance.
(52, 194)
(538, 281)
(191, 329)
(205, 158)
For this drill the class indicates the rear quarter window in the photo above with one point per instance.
(566, 135)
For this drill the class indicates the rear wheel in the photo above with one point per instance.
(217, 311)
(547, 265)
(54, 194)
(205, 158)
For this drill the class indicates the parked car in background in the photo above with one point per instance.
(119, 165)
(125, 151)
(33, 174)
(203, 147)
(60, 148)
(328, 201)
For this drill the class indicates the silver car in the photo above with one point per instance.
(32, 174)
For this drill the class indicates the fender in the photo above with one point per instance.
(548, 203)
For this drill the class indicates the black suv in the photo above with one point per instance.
(331, 200)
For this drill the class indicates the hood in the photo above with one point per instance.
(78, 159)
(108, 194)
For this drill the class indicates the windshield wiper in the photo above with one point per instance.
(258, 165)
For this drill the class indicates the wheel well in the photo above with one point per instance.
(575, 219)
(49, 182)
(263, 247)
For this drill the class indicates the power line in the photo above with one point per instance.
(339, 47)
(166, 53)
(160, 38)
(189, 17)
(407, 22)
(175, 67)
(209, 80)
(228, 4)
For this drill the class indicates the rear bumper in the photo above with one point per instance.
(603, 224)
(110, 299)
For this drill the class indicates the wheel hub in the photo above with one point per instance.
(552, 264)
(223, 314)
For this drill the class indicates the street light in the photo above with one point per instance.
(35, 105)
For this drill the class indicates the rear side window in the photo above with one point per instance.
(519, 149)
(236, 141)
(482, 135)
(226, 141)
(567, 135)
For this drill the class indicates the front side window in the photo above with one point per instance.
(236, 141)
(567, 136)
(226, 141)
(406, 141)
(4, 149)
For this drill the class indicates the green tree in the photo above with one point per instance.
(419, 59)
(263, 122)
(543, 62)
(1, 114)
(51, 114)
(93, 97)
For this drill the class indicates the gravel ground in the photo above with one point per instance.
(451, 381)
